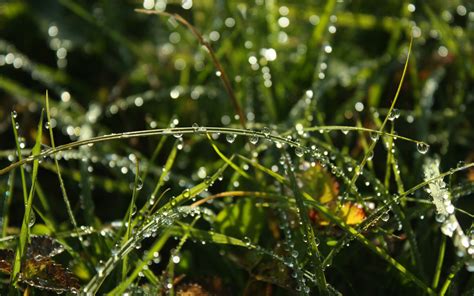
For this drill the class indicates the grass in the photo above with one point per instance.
(252, 147)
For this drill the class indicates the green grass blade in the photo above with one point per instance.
(131, 211)
(308, 230)
(58, 170)
(25, 226)
(150, 255)
(228, 161)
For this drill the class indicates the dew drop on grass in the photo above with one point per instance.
(247, 241)
(180, 144)
(176, 259)
(374, 136)
(345, 131)
(177, 136)
(148, 4)
(230, 138)
(394, 114)
(47, 125)
(14, 114)
(139, 184)
(186, 193)
(32, 219)
(195, 127)
(370, 156)
(385, 217)
(100, 270)
(299, 151)
(253, 139)
(422, 147)
(266, 131)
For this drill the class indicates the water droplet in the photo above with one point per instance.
(422, 147)
(370, 155)
(253, 139)
(385, 217)
(14, 114)
(266, 131)
(100, 270)
(47, 125)
(176, 259)
(186, 193)
(195, 127)
(139, 184)
(394, 114)
(230, 138)
(461, 164)
(177, 136)
(345, 131)
(299, 151)
(148, 4)
(374, 136)
(32, 219)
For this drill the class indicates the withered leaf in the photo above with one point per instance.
(39, 269)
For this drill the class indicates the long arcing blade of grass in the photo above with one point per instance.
(25, 226)
(154, 132)
(307, 229)
(215, 61)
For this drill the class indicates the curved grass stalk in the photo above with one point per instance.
(148, 133)
(259, 194)
(392, 106)
(359, 129)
